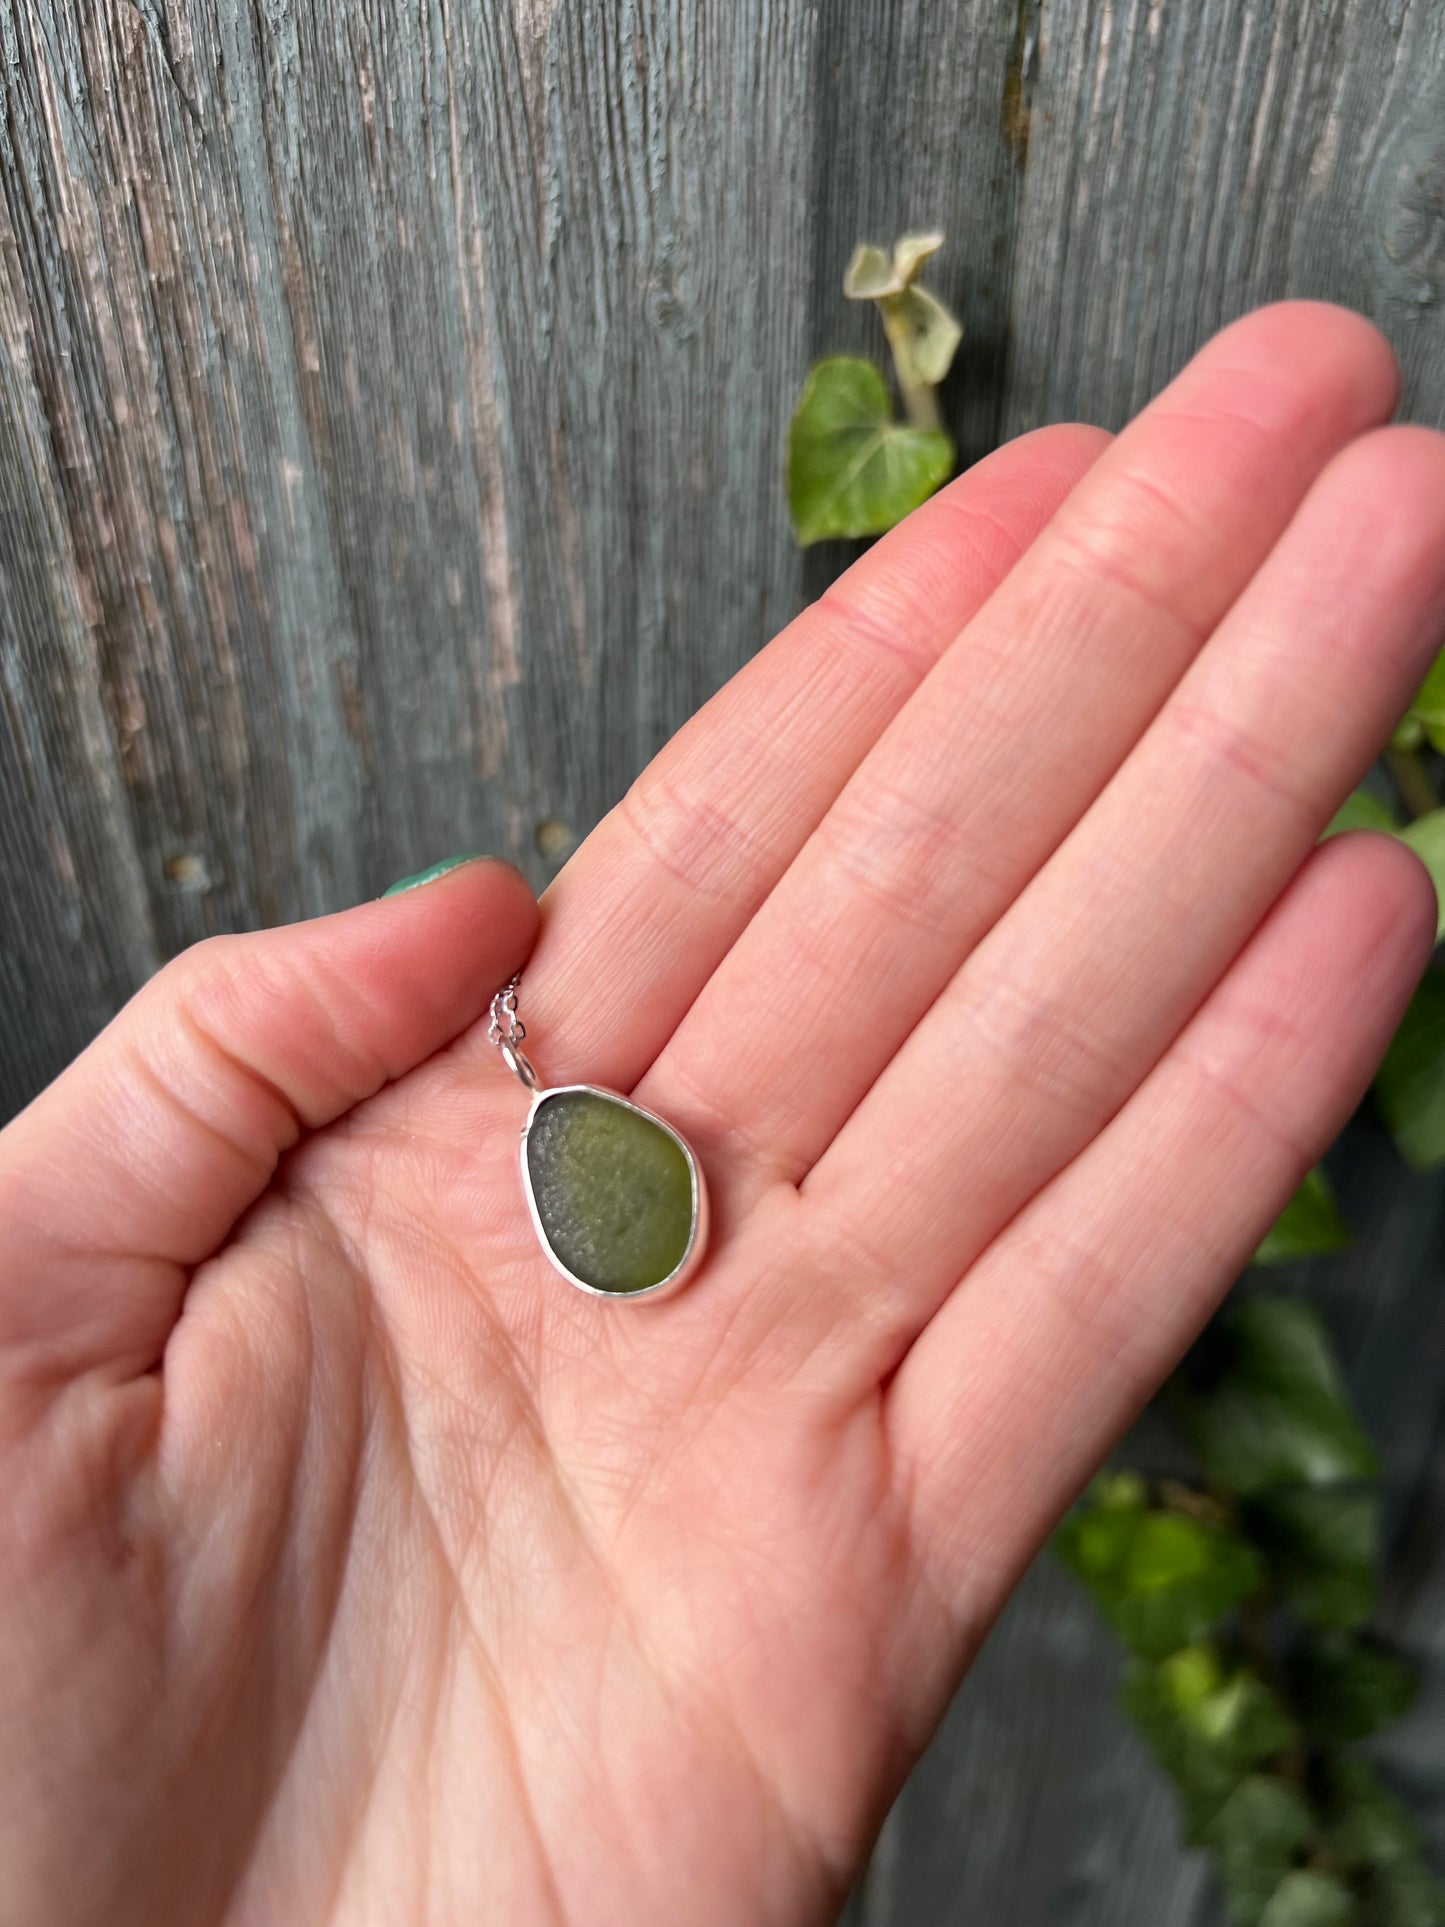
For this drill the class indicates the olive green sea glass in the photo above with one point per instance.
(613, 1190)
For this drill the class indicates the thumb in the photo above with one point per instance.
(133, 1166)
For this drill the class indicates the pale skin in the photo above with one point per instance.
(355, 1568)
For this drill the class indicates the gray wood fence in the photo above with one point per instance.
(390, 416)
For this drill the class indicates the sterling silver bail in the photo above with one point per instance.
(616, 1195)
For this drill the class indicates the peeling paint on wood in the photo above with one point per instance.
(391, 405)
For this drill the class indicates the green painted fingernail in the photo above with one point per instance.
(431, 875)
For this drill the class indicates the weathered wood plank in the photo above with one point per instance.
(409, 388)
(1189, 161)
(390, 417)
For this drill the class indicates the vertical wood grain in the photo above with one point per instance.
(391, 402)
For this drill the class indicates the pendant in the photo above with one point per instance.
(616, 1195)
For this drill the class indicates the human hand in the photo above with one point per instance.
(353, 1567)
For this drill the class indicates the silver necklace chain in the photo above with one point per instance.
(506, 1030)
(506, 1026)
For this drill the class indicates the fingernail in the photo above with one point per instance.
(430, 876)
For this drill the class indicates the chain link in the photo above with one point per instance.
(506, 1027)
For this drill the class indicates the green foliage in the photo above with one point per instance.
(1239, 1601)
(1321, 1542)
(1161, 1579)
(1410, 1087)
(1263, 1405)
(1309, 1225)
(1208, 1727)
(1377, 1848)
(1424, 720)
(1309, 1899)
(853, 468)
(1258, 1837)
(1349, 1687)
(921, 332)
(1362, 810)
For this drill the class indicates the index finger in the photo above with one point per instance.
(654, 899)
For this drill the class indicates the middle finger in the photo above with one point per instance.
(1010, 738)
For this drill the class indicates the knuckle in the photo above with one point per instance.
(1041, 1043)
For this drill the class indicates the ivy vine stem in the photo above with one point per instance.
(920, 398)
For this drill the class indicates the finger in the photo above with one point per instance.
(1071, 1319)
(1014, 733)
(132, 1167)
(1077, 992)
(642, 914)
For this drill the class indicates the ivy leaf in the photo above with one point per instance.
(871, 273)
(1377, 1842)
(1309, 1225)
(1404, 1894)
(1349, 1688)
(910, 252)
(1426, 715)
(1208, 1728)
(1309, 1899)
(1320, 1542)
(1426, 837)
(852, 469)
(1161, 1579)
(1367, 1827)
(1410, 1087)
(1361, 811)
(1257, 1837)
(923, 335)
(1262, 1402)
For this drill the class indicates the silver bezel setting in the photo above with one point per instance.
(683, 1270)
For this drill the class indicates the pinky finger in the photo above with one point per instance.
(1078, 1310)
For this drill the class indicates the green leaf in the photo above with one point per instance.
(1257, 1837)
(1348, 1688)
(1361, 811)
(1425, 718)
(1429, 704)
(1410, 1087)
(1404, 1894)
(1321, 1543)
(1262, 1402)
(1426, 837)
(1309, 1225)
(1161, 1579)
(923, 335)
(1367, 1826)
(1208, 1729)
(852, 470)
(871, 273)
(910, 252)
(1309, 1899)
(1378, 1844)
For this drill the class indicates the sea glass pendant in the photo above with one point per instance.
(616, 1195)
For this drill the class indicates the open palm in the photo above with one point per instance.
(356, 1568)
